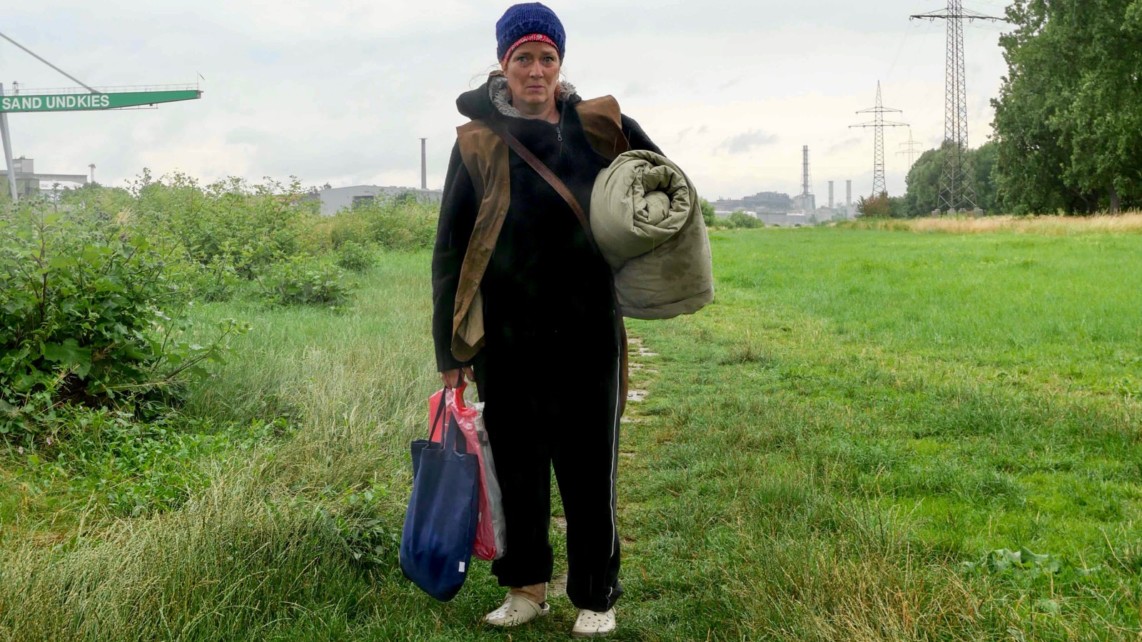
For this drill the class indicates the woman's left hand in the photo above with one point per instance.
(454, 378)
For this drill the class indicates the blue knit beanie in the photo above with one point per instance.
(526, 19)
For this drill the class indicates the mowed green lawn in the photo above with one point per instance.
(870, 435)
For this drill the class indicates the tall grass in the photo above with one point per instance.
(837, 449)
(267, 548)
(1128, 223)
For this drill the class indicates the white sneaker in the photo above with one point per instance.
(516, 610)
(594, 624)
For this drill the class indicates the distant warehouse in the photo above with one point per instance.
(335, 199)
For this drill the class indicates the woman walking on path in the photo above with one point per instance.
(523, 303)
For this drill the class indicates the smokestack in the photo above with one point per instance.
(848, 193)
(830, 194)
(808, 203)
(805, 174)
(423, 165)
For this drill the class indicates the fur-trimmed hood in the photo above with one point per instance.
(492, 97)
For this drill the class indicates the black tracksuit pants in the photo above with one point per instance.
(567, 417)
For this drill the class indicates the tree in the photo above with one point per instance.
(1030, 147)
(1068, 119)
(981, 162)
(923, 180)
(1106, 114)
(708, 214)
(879, 206)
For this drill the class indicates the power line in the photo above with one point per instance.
(41, 59)
(879, 185)
(957, 191)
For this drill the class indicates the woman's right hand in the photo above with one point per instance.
(453, 378)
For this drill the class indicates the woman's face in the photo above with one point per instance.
(533, 76)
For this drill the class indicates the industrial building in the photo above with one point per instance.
(28, 181)
(779, 209)
(335, 199)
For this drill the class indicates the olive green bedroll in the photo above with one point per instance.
(647, 220)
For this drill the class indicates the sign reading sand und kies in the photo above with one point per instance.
(92, 102)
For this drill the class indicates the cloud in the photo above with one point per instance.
(638, 88)
(342, 90)
(729, 83)
(743, 143)
(848, 143)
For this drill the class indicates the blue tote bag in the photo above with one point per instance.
(443, 512)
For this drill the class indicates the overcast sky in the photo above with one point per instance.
(339, 91)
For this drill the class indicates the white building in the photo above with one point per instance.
(335, 199)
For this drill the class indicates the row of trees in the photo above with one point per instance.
(1068, 118)
(923, 180)
(923, 196)
(1069, 115)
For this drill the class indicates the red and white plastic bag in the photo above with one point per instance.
(491, 532)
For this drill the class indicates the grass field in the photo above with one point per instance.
(871, 435)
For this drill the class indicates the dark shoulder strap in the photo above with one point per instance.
(544, 171)
(561, 187)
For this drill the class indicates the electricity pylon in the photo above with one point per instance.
(878, 124)
(957, 190)
(910, 149)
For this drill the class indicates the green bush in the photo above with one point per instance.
(130, 467)
(742, 220)
(881, 206)
(306, 281)
(400, 224)
(367, 538)
(355, 257)
(392, 224)
(349, 225)
(708, 214)
(214, 281)
(231, 223)
(96, 201)
(82, 320)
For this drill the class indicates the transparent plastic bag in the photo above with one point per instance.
(491, 532)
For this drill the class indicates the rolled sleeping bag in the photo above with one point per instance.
(646, 218)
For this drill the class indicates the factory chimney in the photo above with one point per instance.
(807, 202)
(423, 165)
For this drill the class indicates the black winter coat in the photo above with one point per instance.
(546, 292)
